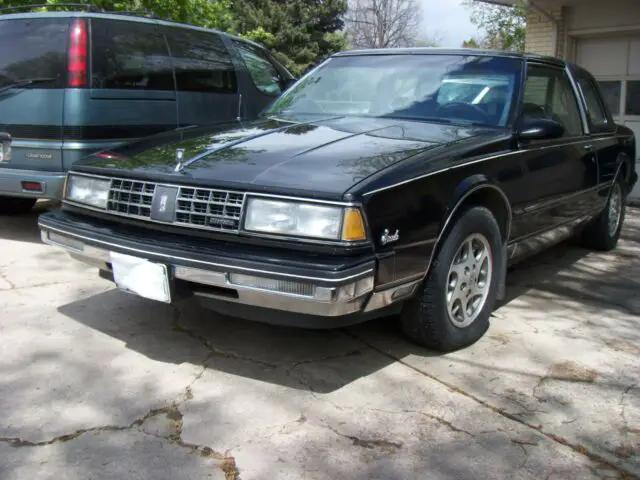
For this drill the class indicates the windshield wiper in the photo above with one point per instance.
(26, 82)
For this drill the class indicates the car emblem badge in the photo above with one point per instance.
(163, 204)
(388, 237)
(179, 158)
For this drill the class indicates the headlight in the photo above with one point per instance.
(88, 190)
(300, 219)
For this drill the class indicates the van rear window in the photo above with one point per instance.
(33, 48)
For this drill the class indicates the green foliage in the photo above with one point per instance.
(205, 13)
(504, 26)
(471, 43)
(299, 32)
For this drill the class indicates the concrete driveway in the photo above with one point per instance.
(98, 384)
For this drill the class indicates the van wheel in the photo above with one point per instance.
(452, 310)
(603, 232)
(15, 205)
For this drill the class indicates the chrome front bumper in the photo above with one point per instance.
(11, 179)
(296, 294)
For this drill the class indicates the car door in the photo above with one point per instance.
(206, 79)
(602, 129)
(265, 79)
(561, 172)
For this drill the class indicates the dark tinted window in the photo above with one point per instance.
(129, 55)
(201, 61)
(595, 108)
(548, 94)
(264, 74)
(34, 48)
(633, 98)
(612, 92)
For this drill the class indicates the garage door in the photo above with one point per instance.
(615, 62)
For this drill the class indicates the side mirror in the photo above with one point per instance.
(539, 129)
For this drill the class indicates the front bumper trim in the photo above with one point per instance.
(257, 288)
(77, 239)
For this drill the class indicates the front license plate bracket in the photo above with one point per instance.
(141, 277)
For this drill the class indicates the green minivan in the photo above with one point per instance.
(72, 83)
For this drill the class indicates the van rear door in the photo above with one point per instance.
(33, 75)
(132, 92)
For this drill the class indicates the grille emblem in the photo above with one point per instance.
(163, 203)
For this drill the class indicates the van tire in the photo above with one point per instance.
(15, 205)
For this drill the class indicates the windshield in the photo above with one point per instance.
(33, 49)
(462, 89)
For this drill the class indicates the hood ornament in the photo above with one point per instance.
(179, 158)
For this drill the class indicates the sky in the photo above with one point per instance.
(448, 20)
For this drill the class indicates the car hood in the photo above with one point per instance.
(325, 156)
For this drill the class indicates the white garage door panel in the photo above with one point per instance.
(604, 57)
(616, 61)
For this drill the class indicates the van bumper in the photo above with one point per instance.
(12, 183)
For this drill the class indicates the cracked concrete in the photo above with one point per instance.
(98, 384)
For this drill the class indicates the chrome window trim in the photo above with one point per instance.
(581, 101)
(170, 258)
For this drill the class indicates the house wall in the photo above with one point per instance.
(612, 14)
(543, 37)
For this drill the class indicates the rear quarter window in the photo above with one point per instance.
(129, 55)
(34, 48)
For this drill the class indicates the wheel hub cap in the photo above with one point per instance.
(469, 280)
(615, 209)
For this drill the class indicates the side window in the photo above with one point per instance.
(201, 61)
(129, 55)
(596, 112)
(548, 93)
(264, 74)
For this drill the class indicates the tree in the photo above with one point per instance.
(504, 26)
(385, 24)
(298, 32)
(471, 43)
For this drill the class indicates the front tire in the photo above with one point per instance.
(603, 232)
(16, 205)
(452, 310)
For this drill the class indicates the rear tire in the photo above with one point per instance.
(603, 232)
(442, 316)
(15, 205)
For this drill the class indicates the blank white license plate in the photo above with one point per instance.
(141, 277)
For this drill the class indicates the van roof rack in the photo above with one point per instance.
(87, 7)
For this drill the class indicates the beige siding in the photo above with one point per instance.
(543, 37)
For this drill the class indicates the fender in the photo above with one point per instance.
(463, 191)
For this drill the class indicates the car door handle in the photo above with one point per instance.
(588, 147)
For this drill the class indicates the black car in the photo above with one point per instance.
(401, 181)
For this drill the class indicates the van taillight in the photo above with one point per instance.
(77, 66)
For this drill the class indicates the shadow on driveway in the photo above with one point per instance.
(264, 352)
(24, 228)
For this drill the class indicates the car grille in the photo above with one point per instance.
(203, 208)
